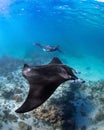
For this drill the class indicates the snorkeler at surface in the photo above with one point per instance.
(48, 48)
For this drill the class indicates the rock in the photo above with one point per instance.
(18, 90)
(12, 117)
(83, 128)
(8, 94)
(18, 98)
(24, 116)
(24, 126)
(99, 117)
(1, 125)
(9, 77)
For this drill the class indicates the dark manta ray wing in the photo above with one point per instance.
(33, 100)
(37, 96)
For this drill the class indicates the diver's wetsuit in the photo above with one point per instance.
(48, 48)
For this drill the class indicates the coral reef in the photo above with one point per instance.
(9, 65)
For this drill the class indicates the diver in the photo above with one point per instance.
(48, 48)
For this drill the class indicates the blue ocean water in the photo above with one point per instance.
(76, 25)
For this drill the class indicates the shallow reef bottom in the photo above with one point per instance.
(73, 106)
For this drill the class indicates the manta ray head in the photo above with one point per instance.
(31, 73)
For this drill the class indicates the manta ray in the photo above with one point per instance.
(43, 81)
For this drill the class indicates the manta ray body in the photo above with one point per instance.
(43, 81)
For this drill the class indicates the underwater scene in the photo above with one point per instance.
(52, 64)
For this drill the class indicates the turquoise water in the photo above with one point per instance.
(76, 25)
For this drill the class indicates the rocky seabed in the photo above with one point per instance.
(73, 106)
